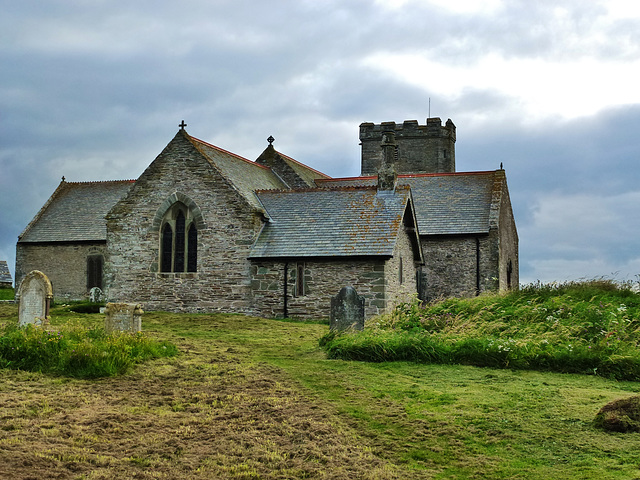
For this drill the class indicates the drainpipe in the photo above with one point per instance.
(285, 309)
(477, 266)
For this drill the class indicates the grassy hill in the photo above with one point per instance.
(250, 398)
(578, 327)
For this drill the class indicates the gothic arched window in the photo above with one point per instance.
(178, 241)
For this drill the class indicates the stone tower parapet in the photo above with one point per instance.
(428, 148)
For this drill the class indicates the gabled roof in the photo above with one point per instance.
(5, 274)
(75, 212)
(445, 203)
(306, 173)
(243, 174)
(290, 171)
(332, 222)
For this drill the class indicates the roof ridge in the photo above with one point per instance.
(235, 155)
(303, 165)
(100, 181)
(408, 175)
(319, 189)
(330, 189)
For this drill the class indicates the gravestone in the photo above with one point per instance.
(35, 294)
(123, 317)
(96, 295)
(347, 310)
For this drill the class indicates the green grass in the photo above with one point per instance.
(256, 398)
(578, 327)
(76, 349)
(7, 293)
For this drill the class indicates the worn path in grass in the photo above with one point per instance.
(252, 398)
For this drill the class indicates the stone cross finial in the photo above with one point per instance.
(182, 125)
(271, 139)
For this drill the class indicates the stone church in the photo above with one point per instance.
(203, 229)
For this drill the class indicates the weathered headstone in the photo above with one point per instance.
(347, 310)
(35, 294)
(123, 317)
(96, 295)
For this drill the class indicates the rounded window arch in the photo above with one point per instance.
(178, 240)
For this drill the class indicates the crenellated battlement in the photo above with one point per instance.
(428, 148)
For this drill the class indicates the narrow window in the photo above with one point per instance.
(400, 272)
(192, 249)
(167, 247)
(178, 256)
(94, 271)
(300, 279)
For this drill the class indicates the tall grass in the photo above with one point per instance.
(578, 327)
(76, 351)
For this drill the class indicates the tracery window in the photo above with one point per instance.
(178, 240)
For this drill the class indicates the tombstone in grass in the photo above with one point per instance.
(347, 310)
(123, 317)
(35, 294)
(96, 295)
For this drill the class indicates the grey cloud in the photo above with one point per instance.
(94, 92)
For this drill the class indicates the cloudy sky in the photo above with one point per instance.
(94, 89)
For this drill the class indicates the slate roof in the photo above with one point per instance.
(445, 203)
(308, 174)
(5, 274)
(75, 212)
(330, 222)
(246, 176)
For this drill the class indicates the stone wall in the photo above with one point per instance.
(323, 279)
(378, 280)
(228, 228)
(426, 148)
(401, 284)
(64, 264)
(455, 266)
(508, 246)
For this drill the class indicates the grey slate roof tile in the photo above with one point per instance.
(330, 222)
(75, 212)
(5, 274)
(445, 204)
(246, 176)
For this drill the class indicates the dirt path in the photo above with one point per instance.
(209, 413)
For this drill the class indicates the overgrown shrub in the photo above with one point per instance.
(76, 351)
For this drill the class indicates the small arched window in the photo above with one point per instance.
(178, 241)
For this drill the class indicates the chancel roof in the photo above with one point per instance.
(75, 212)
(5, 274)
(445, 203)
(244, 175)
(331, 222)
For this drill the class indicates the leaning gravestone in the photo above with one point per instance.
(35, 294)
(347, 310)
(123, 317)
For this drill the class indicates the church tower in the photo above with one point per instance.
(426, 148)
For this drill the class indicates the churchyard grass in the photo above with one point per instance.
(253, 398)
(7, 293)
(590, 327)
(76, 348)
